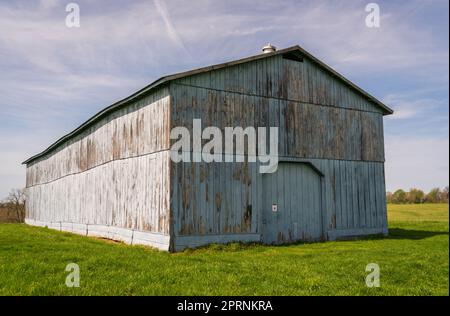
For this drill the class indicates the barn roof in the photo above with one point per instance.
(163, 80)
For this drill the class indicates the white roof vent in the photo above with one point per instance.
(269, 48)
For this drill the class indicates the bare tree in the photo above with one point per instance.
(16, 199)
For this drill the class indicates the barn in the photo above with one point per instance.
(115, 177)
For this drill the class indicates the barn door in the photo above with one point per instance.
(292, 204)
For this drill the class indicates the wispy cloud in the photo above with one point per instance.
(410, 106)
(173, 34)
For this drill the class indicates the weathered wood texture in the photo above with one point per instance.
(128, 193)
(225, 198)
(305, 130)
(114, 173)
(214, 198)
(353, 194)
(138, 129)
(280, 78)
(295, 190)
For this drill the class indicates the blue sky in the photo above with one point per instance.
(53, 78)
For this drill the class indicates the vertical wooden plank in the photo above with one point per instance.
(336, 186)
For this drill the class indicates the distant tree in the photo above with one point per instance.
(444, 195)
(389, 197)
(434, 196)
(16, 200)
(415, 196)
(399, 196)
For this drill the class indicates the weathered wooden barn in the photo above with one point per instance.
(113, 176)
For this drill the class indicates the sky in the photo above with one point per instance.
(53, 78)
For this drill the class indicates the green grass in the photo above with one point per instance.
(413, 261)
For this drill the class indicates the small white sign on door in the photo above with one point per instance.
(274, 208)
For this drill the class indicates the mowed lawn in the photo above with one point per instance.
(413, 260)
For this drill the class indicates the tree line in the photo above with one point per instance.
(416, 196)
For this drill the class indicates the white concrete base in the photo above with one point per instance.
(128, 236)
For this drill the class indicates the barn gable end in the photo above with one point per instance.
(323, 122)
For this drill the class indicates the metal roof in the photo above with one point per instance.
(163, 80)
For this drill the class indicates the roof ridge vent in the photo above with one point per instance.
(269, 48)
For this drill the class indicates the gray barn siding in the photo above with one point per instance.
(321, 120)
(127, 193)
(306, 130)
(296, 191)
(134, 130)
(279, 78)
(220, 199)
(114, 175)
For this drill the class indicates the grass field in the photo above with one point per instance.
(414, 260)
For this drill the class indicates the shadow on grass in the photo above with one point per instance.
(398, 233)
(394, 233)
